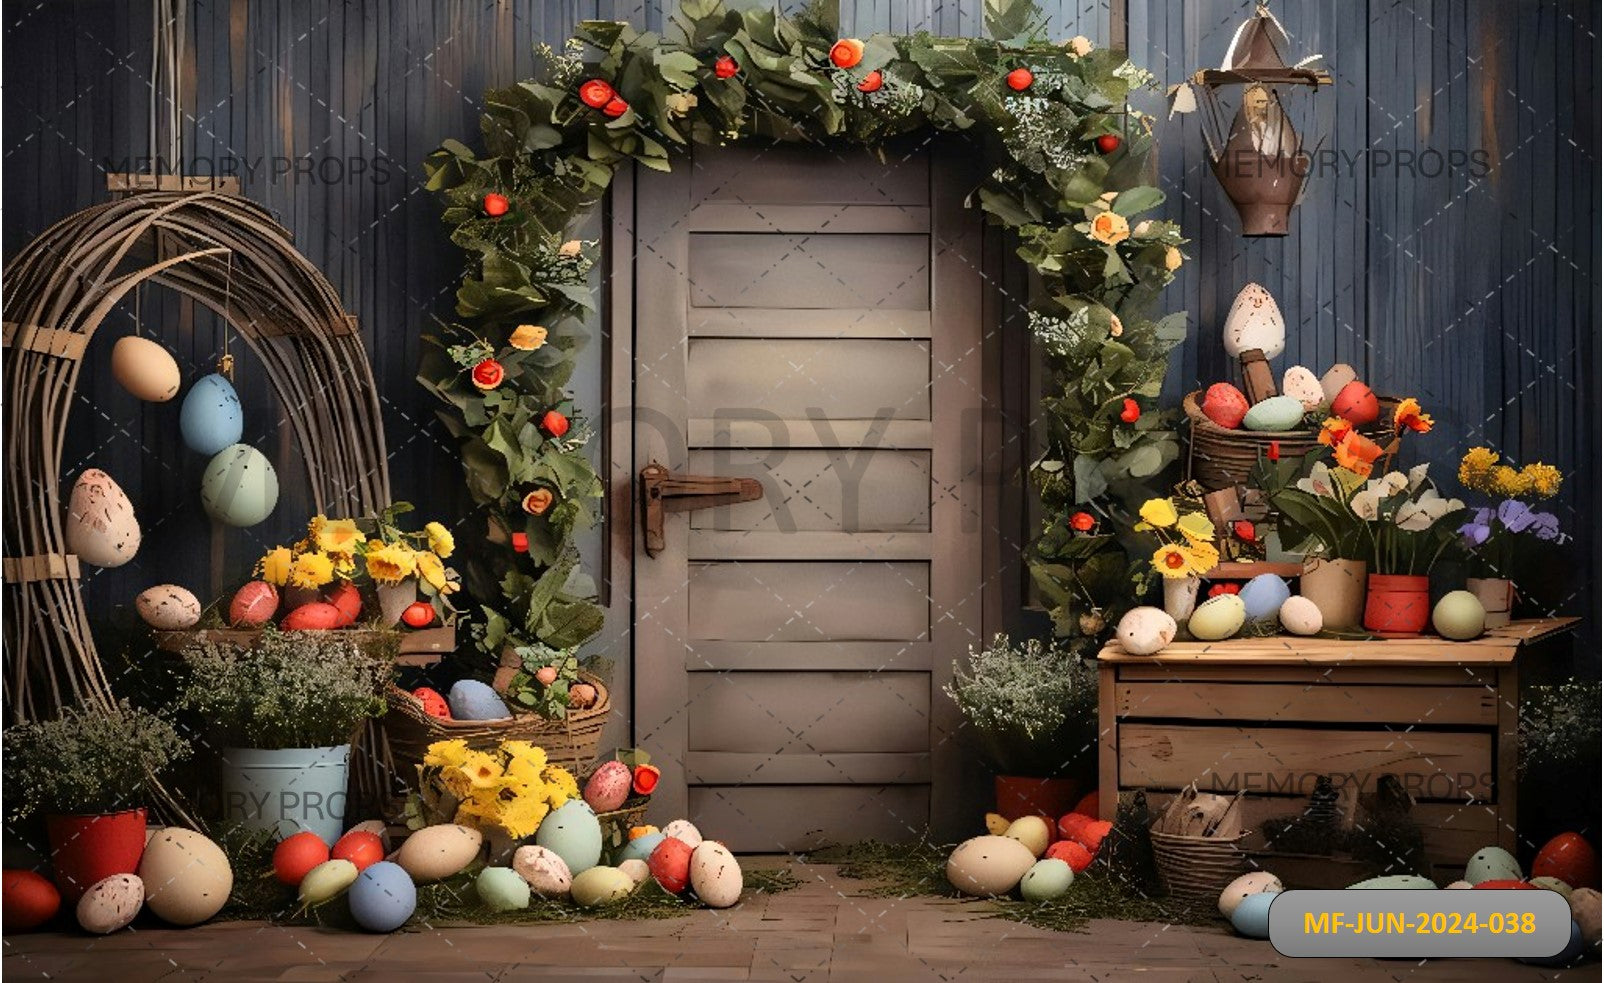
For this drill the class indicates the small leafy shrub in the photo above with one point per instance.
(1033, 704)
(296, 689)
(88, 760)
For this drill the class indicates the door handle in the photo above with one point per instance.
(663, 491)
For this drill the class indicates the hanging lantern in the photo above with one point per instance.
(1257, 154)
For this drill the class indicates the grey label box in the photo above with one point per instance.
(1419, 924)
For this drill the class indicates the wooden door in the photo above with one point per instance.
(810, 319)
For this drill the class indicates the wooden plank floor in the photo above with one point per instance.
(823, 931)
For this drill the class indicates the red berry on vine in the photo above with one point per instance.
(725, 67)
(554, 423)
(615, 108)
(488, 374)
(1082, 522)
(1019, 79)
(596, 93)
(1108, 143)
(1131, 411)
(520, 542)
(1275, 450)
(871, 82)
(496, 205)
(1244, 531)
(1225, 588)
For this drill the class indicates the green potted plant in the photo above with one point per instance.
(1034, 708)
(287, 710)
(1408, 526)
(1495, 535)
(1315, 517)
(88, 773)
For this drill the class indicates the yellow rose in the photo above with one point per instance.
(311, 570)
(391, 564)
(440, 540)
(337, 536)
(1110, 228)
(275, 566)
(527, 337)
(1173, 259)
(1159, 513)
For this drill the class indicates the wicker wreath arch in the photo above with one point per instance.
(227, 253)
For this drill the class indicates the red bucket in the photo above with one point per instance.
(88, 849)
(1398, 604)
(1048, 798)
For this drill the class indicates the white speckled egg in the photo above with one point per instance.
(684, 831)
(101, 526)
(187, 876)
(1032, 831)
(715, 875)
(1301, 616)
(543, 871)
(989, 866)
(1304, 386)
(239, 486)
(1253, 882)
(1046, 879)
(1145, 630)
(434, 853)
(1218, 618)
(1394, 882)
(145, 369)
(111, 904)
(168, 607)
(597, 886)
(637, 869)
(502, 889)
(1255, 321)
(1552, 884)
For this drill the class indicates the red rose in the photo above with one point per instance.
(846, 52)
(488, 374)
(496, 205)
(1131, 410)
(1107, 143)
(725, 67)
(1225, 588)
(554, 423)
(1244, 531)
(1019, 79)
(615, 108)
(596, 93)
(520, 542)
(1082, 522)
(871, 82)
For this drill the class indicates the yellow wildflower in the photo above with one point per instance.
(337, 536)
(1204, 557)
(456, 782)
(1475, 467)
(1196, 527)
(391, 563)
(344, 564)
(1543, 479)
(446, 753)
(522, 751)
(1508, 482)
(440, 540)
(311, 570)
(482, 769)
(1159, 513)
(520, 816)
(560, 785)
(275, 566)
(1172, 562)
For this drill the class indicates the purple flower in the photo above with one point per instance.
(1483, 516)
(1545, 526)
(1515, 515)
(1475, 533)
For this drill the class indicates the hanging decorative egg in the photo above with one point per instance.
(101, 526)
(145, 369)
(210, 418)
(1255, 322)
(240, 487)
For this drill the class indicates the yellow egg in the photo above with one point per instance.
(145, 369)
(1218, 618)
(1032, 831)
(599, 885)
(187, 877)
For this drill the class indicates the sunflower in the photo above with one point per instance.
(391, 563)
(311, 570)
(275, 565)
(441, 541)
(433, 572)
(1159, 513)
(1408, 414)
(338, 536)
(521, 815)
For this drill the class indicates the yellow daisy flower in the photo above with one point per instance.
(1196, 527)
(523, 751)
(1159, 513)
(311, 570)
(338, 536)
(275, 565)
(391, 563)
(440, 540)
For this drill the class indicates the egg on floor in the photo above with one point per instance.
(383, 897)
(684, 829)
(434, 853)
(545, 872)
(597, 886)
(989, 866)
(715, 875)
(29, 900)
(1033, 831)
(327, 881)
(1047, 879)
(1253, 882)
(502, 889)
(187, 877)
(572, 832)
(111, 904)
(1251, 918)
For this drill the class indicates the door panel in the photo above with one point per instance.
(814, 324)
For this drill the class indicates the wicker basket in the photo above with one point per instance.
(571, 743)
(1220, 458)
(1198, 867)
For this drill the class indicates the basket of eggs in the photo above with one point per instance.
(555, 704)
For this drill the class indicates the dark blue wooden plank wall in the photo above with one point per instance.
(1475, 289)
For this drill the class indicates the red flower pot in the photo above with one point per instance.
(87, 849)
(1049, 798)
(1398, 604)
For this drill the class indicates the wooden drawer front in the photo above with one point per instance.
(1296, 703)
(1309, 675)
(1289, 760)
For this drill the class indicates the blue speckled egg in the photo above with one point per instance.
(1567, 955)
(572, 833)
(1252, 916)
(472, 700)
(210, 418)
(383, 897)
(640, 848)
(1263, 596)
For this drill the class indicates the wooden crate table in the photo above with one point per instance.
(1271, 715)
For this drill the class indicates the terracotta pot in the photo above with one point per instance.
(1049, 798)
(1180, 597)
(394, 599)
(85, 849)
(1496, 595)
(1398, 604)
(1337, 588)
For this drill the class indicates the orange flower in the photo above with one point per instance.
(1334, 431)
(1110, 228)
(1409, 415)
(846, 53)
(538, 501)
(1358, 453)
(527, 337)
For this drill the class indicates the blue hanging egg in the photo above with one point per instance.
(210, 418)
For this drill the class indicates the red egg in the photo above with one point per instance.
(313, 616)
(27, 900)
(419, 614)
(295, 857)
(1356, 404)
(1088, 805)
(670, 865)
(1072, 853)
(360, 847)
(1071, 823)
(1091, 835)
(1503, 886)
(1570, 858)
(1225, 405)
(434, 704)
(253, 605)
(347, 600)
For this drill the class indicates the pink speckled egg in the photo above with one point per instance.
(608, 787)
(253, 605)
(1225, 405)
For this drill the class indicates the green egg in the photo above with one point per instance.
(1459, 616)
(1274, 415)
(326, 881)
(1046, 879)
(501, 889)
(1218, 618)
(1395, 882)
(1491, 863)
